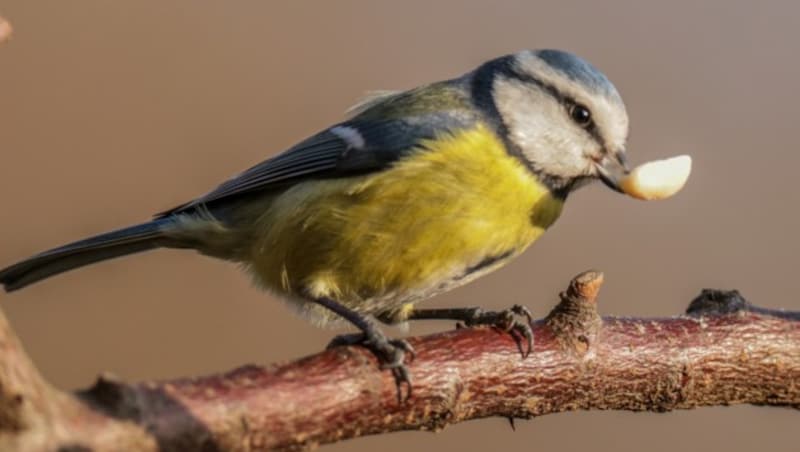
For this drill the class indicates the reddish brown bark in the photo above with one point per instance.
(724, 351)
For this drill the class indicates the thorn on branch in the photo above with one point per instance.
(575, 321)
(511, 423)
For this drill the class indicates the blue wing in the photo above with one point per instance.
(374, 139)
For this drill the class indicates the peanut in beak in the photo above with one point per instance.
(658, 179)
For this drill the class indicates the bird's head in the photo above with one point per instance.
(560, 114)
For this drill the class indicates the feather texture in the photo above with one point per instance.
(458, 207)
(387, 127)
(112, 244)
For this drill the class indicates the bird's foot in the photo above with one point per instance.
(516, 320)
(390, 352)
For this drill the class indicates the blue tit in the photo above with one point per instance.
(417, 193)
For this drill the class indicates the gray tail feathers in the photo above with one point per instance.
(133, 239)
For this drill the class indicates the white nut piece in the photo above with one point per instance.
(658, 179)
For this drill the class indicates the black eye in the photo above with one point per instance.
(581, 115)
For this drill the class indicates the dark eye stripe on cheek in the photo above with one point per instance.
(563, 99)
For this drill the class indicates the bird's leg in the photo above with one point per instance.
(506, 320)
(390, 352)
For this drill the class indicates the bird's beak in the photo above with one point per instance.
(611, 168)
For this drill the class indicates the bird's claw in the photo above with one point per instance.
(508, 321)
(391, 353)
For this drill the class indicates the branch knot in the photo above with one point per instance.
(713, 301)
(575, 321)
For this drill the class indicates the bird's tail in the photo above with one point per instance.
(133, 239)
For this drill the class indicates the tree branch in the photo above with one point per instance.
(724, 351)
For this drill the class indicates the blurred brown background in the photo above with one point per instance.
(110, 111)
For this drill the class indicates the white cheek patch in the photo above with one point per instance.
(349, 135)
(539, 126)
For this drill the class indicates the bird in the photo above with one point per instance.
(414, 193)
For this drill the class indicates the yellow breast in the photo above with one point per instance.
(376, 241)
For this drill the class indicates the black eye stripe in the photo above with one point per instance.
(567, 101)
